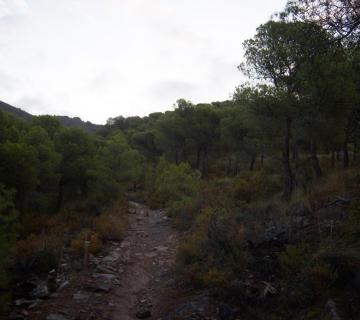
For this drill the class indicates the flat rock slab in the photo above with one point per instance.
(80, 296)
(105, 276)
(57, 317)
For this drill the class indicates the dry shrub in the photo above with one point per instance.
(39, 253)
(325, 189)
(247, 186)
(325, 162)
(322, 275)
(78, 244)
(112, 223)
(216, 278)
(154, 201)
(40, 224)
(211, 254)
(296, 257)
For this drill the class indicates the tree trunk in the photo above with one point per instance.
(184, 154)
(338, 158)
(346, 160)
(176, 156)
(60, 197)
(333, 158)
(204, 164)
(346, 154)
(288, 177)
(198, 155)
(252, 163)
(229, 165)
(295, 154)
(236, 168)
(262, 160)
(315, 160)
(355, 152)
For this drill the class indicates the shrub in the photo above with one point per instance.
(7, 238)
(39, 253)
(176, 182)
(185, 211)
(111, 224)
(216, 277)
(78, 244)
(296, 257)
(211, 254)
(322, 275)
(247, 186)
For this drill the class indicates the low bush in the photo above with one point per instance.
(37, 253)
(112, 223)
(78, 244)
(247, 186)
(212, 253)
(176, 182)
(296, 257)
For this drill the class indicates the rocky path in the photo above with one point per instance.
(132, 279)
(150, 250)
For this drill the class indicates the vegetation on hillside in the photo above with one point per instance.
(265, 185)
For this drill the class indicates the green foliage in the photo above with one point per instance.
(296, 257)
(48, 169)
(118, 168)
(211, 254)
(176, 182)
(8, 215)
(49, 123)
(77, 150)
(18, 169)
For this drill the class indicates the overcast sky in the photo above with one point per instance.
(102, 58)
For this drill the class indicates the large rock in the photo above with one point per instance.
(330, 311)
(104, 276)
(99, 287)
(40, 292)
(57, 317)
(80, 296)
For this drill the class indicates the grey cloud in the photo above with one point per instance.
(128, 56)
(172, 89)
(33, 105)
(7, 82)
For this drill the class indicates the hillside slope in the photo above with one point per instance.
(64, 120)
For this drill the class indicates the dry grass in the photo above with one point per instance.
(78, 244)
(336, 184)
(112, 223)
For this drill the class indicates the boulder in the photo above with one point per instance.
(40, 292)
(80, 296)
(104, 276)
(330, 311)
(57, 317)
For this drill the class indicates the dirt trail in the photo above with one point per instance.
(150, 249)
(128, 280)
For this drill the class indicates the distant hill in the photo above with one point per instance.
(64, 120)
(15, 111)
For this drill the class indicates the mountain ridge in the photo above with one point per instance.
(64, 120)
